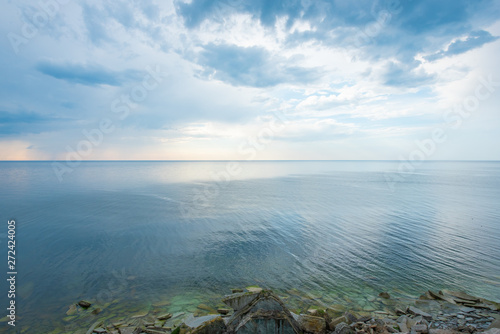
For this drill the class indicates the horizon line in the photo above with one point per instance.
(261, 160)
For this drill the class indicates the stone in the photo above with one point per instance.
(416, 311)
(207, 308)
(84, 303)
(312, 324)
(384, 295)
(495, 324)
(213, 326)
(400, 311)
(96, 311)
(350, 318)
(100, 330)
(443, 331)
(236, 290)
(460, 316)
(165, 316)
(492, 331)
(129, 330)
(94, 326)
(72, 310)
(336, 321)
(402, 327)
(253, 288)
(420, 328)
(312, 311)
(343, 328)
(460, 295)
(223, 311)
(152, 331)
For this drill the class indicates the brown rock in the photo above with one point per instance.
(335, 322)
(312, 324)
(165, 316)
(384, 295)
(84, 303)
(223, 311)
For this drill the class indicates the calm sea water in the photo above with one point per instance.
(131, 233)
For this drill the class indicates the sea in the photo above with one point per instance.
(132, 236)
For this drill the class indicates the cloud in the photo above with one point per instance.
(25, 122)
(252, 66)
(89, 75)
(404, 75)
(475, 39)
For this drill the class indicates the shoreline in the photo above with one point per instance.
(443, 312)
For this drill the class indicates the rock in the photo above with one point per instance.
(94, 326)
(140, 315)
(312, 324)
(236, 290)
(492, 331)
(402, 327)
(384, 295)
(400, 311)
(253, 288)
(350, 318)
(420, 328)
(460, 316)
(129, 330)
(371, 299)
(343, 328)
(495, 324)
(416, 311)
(443, 331)
(460, 295)
(165, 316)
(84, 303)
(100, 330)
(312, 311)
(336, 321)
(368, 308)
(207, 308)
(96, 311)
(214, 326)
(223, 311)
(152, 331)
(71, 310)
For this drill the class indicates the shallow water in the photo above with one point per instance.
(126, 235)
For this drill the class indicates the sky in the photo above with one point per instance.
(249, 80)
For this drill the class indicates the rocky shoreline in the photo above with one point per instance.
(254, 310)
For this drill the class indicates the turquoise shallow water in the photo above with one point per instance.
(135, 233)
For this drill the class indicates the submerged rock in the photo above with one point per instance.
(384, 295)
(165, 316)
(71, 310)
(84, 303)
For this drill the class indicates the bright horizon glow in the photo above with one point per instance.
(227, 80)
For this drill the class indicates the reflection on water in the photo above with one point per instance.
(118, 232)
